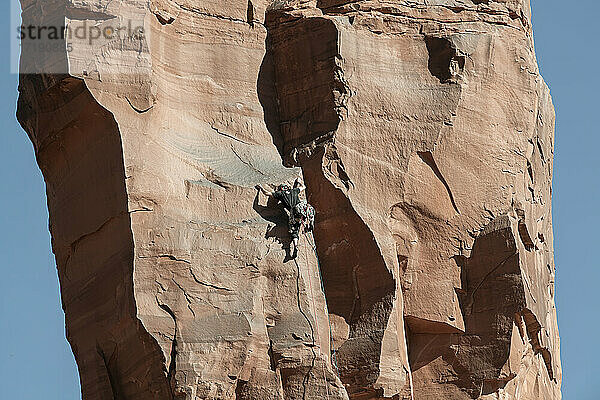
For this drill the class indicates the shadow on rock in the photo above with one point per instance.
(273, 213)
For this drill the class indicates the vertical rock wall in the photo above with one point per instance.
(424, 133)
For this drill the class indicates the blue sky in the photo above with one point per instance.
(36, 361)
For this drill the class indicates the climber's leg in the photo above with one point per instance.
(295, 250)
(295, 234)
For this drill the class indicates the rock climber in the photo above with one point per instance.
(300, 213)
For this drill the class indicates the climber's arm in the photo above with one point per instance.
(265, 191)
(299, 185)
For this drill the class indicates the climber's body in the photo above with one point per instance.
(300, 212)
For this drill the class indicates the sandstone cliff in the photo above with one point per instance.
(424, 133)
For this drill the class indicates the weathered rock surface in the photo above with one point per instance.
(424, 133)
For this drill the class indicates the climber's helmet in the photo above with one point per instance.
(283, 188)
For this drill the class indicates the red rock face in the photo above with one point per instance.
(424, 134)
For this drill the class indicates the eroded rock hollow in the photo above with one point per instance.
(424, 134)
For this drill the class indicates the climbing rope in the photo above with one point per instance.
(312, 294)
(333, 350)
(312, 330)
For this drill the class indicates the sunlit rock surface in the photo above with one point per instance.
(424, 133)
